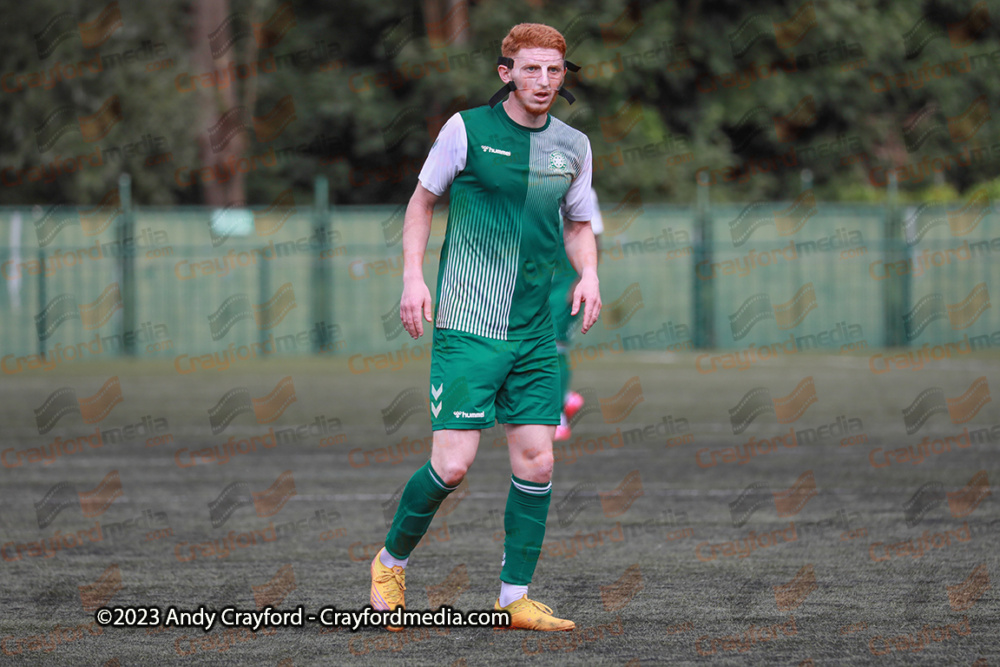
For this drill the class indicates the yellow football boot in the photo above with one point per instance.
(530, 615)
(388, 584)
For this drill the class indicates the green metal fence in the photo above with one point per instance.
(201, 286)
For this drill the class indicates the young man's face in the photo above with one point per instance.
(538, 74)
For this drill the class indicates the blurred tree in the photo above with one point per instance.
(61, 64)
(749, 94)
(217, 107)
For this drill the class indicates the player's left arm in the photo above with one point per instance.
(581, 246)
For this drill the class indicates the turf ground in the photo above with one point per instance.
(636, 571)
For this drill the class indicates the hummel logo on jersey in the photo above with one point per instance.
(468, 415)
(490, 149)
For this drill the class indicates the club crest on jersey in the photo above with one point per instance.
(558, 161)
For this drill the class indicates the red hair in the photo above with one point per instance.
(532, 36)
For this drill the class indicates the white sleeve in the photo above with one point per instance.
(446, 157)
(577, 205)
(596, 222)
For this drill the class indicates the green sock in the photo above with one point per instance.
(421, 498)
(524, 522)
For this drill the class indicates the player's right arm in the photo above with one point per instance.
(416, 300)
(446, 159)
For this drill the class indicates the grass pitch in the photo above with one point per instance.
(655, 503)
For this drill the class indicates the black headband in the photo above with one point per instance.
(510, 86)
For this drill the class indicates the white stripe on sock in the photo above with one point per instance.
(533, 490)
(440, 483)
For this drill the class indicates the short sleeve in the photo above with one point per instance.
(577, 204)
(596, 222)
(446, 157)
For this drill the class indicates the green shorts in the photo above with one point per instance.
(476, 381)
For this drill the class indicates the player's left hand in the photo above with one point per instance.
(587, 291)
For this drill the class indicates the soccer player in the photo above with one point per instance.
(561, 301)
(513, 170)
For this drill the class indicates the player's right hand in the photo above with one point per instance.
(416, 301)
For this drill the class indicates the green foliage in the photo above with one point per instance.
(750, 96)
(992, 189)
(151, 108)
(936, 194)
(862, 193)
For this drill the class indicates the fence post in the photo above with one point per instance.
(895, 288)
(906, 284)
(264, 290)
(126, 262)
(41, 325)
(321, 288)
(702, 291)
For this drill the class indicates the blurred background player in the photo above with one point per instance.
(564, 279)
(513, 172)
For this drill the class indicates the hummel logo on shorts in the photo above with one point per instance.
(469, 415)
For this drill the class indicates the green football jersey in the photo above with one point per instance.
(509, 186)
